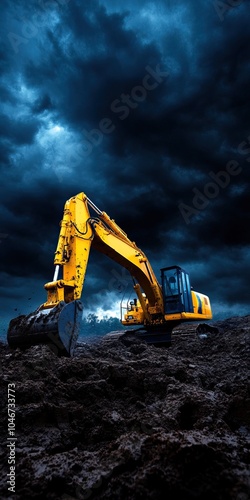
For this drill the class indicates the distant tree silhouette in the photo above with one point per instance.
(93, 326)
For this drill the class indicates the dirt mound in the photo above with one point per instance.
(131, 421)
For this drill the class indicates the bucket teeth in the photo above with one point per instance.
(57, 327)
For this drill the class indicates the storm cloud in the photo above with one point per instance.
(143, 106)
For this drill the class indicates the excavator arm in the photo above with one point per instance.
(57, 322)
(72, 252)
(78, 232)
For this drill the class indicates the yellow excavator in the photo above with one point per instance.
(157, 309)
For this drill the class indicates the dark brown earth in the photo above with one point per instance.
(131, 421)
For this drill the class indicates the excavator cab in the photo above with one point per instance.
(176, 290)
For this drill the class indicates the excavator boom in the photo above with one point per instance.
(57, 322)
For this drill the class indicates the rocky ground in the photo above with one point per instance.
(131, 421)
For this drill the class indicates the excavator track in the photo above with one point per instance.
(162, 339)
(202, 329)
(128, 337)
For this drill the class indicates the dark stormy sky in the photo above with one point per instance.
(144, 106)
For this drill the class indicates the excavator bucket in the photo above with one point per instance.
(57, 327)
